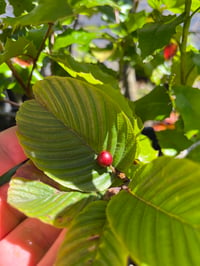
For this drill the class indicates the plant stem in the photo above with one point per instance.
(17, 76)
(183, 45)
(50, 25)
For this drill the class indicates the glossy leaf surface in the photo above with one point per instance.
(68, 124)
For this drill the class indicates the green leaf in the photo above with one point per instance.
(2, 6)
(159, 220)
(46, 11)
(90, 241)
(191, 70)
(135, 21)
(157, 105)
(50, 205)
(92, 73)
(20, 7)
(14, 48)
(146, 153)
(93, 3)
(71, 36)
(173, 139)
(68, 124)
(156, 35)
(187, 103)
(194, 152)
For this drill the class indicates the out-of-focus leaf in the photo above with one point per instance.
(146, 153)
(90, 240)
(187, 103)
(158, 219)
(2, 6)
(92, 73)
(46, 11)
(191, 70)
(194, 153)
(154, 106)
(70, 37)
(135, 21)
(93, 3)
(156, 35)
(14, 48)
(20, 7)
(173, 139)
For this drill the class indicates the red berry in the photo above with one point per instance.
(170, 51)
(104, 158)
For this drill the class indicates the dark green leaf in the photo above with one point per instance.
(194, 152)
(22, 46)
(173, 139)
(2, 6)
(20, 7)
(187, 103)
(159, 219)
(156, 35)
(154, 106)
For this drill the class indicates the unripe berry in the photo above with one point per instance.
(104, 159)
(170, 51)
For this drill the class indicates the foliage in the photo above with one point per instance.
(143, 207)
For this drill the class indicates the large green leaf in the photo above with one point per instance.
(68, 124)
(90, 241)
(154, 106)
(159, 218)
(46, 203)
(46, 11)
(187, 103)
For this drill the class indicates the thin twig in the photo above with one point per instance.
(185, 152)
(50, 25)
(195, 11)
(11, 102)
(16, 75)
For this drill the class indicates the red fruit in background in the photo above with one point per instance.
(170, 51)
(104, 159)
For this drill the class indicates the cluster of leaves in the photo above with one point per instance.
(143, 206)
